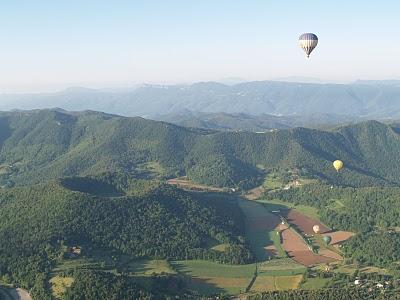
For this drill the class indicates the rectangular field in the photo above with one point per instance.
(276, 283)
(211, 278)
(260, 223)
(280, 267)
(203, 268)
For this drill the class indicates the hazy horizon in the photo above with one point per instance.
(125, 86)
(49, 46)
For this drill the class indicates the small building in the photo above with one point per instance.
(76, 250)
(357, 282)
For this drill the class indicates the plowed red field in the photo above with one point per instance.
(297, 249)
(304, 223)
(339, 236)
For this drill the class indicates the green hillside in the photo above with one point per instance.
(38, 223)
(42, 145)
(372, 212)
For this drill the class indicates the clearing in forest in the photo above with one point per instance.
(259, 224)
(59, 285)
(184, 183)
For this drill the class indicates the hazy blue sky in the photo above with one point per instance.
(53, 44)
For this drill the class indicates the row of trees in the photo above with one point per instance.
(326, 294)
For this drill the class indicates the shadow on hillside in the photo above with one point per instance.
(91, 186)
(202, 285)
(261, 221)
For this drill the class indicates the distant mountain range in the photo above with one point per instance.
(367, 99)
(255, 123)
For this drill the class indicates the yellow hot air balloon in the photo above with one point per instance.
(338, 164)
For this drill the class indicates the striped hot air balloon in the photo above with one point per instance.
(308, 42)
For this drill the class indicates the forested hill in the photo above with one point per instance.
(38, 222)
(255, 123)
(42, 145)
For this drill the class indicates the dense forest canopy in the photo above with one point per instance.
(42, 145)
(98, 181)
(37, 221)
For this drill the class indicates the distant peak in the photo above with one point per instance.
(78, 89)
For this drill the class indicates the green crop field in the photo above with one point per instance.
(256, 234)
(315, 283)
(210, 278)
(280, 267)
(203, 268)
(71, 264)
(272, 205)
(276, 283)
(275, 238)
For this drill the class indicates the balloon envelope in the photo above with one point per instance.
(308, 42)
(338, 164)
(327, 239)
(316, 228)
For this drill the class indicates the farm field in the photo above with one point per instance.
(218, 285)
(280, 267)
(142, 267)
(259, 224)
(71, 264)
(308, 211)
(315, 283)
(184, 183)
(298, 250)
(302, 222)
(339, 236)
(260, 220)
(203, 268)
(276, 283)
(209, 277)
(276, 239)
(351, 268)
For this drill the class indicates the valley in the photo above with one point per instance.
(163, 210)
